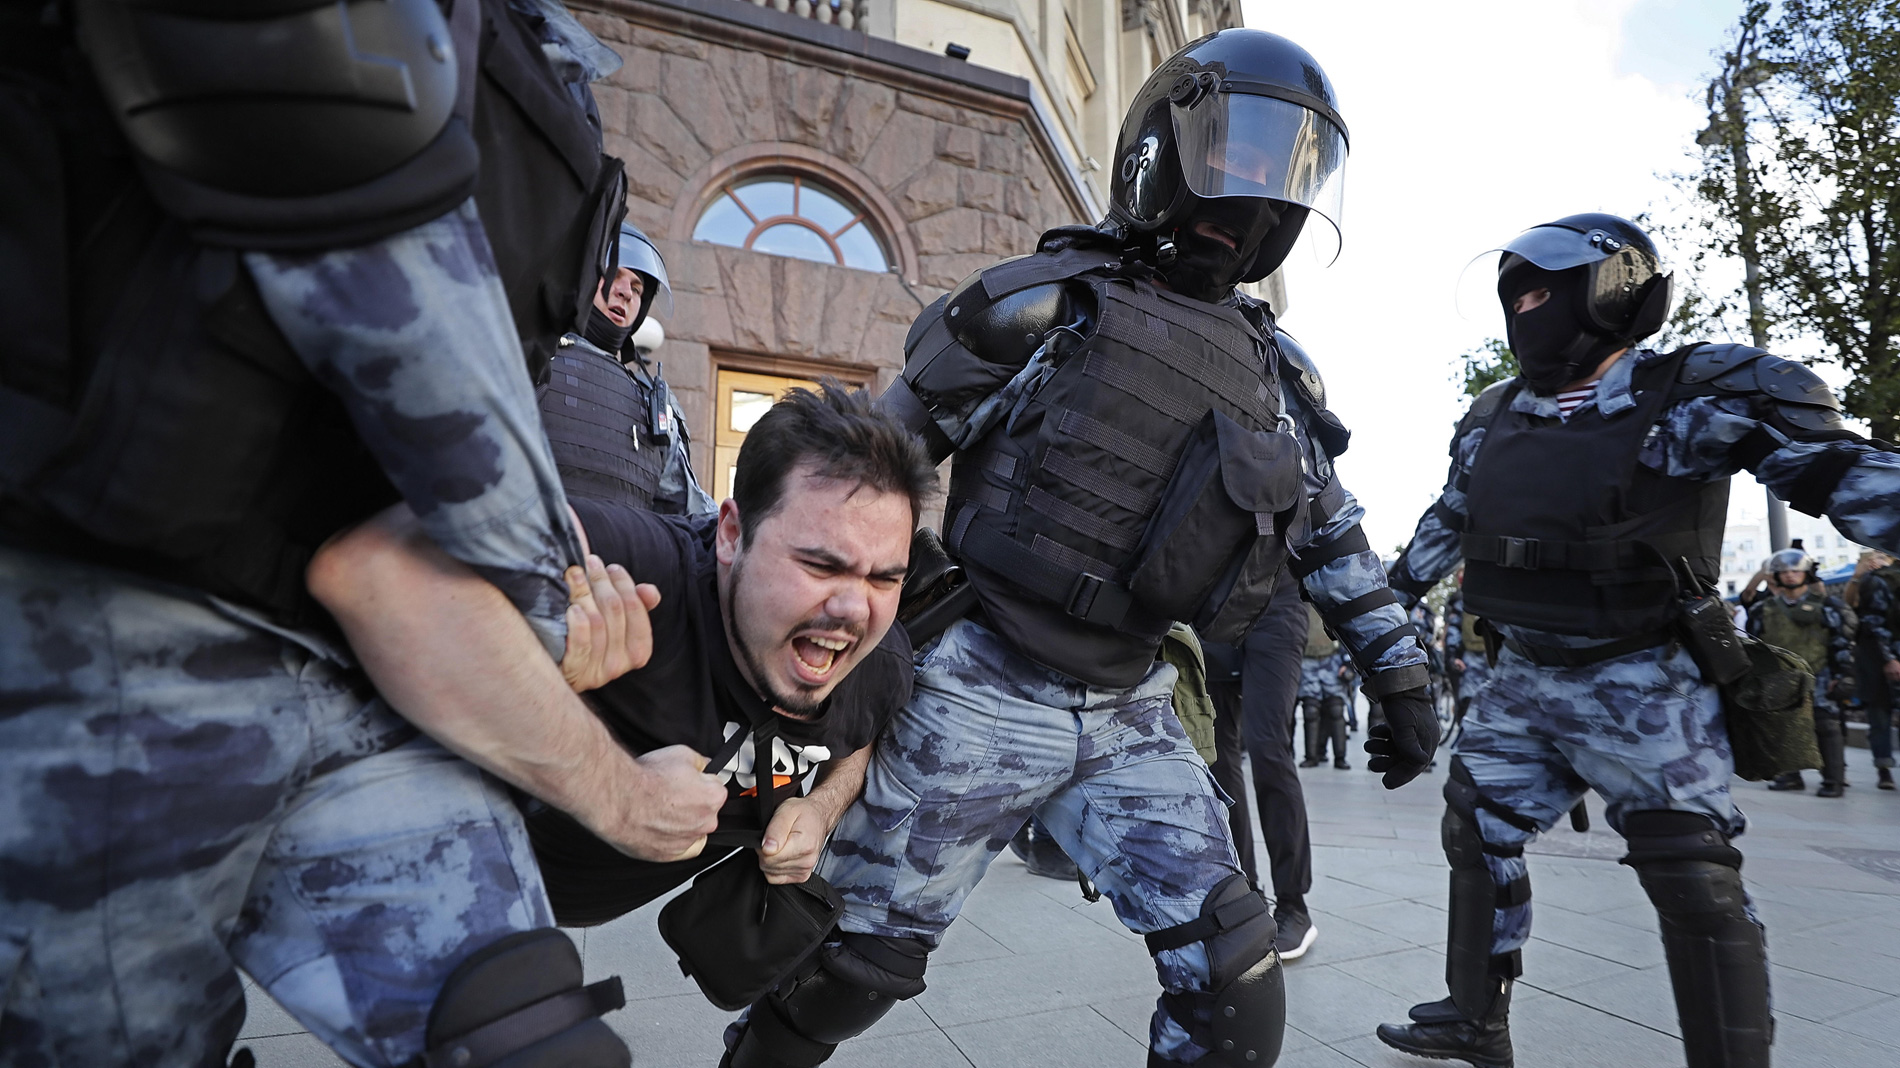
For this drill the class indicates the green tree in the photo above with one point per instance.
(1490, 362)
(1800, 178)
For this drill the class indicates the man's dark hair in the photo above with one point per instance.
(839, 434)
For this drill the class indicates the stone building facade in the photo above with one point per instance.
(724, 106)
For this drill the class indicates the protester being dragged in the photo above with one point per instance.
(1799, 615)
(774, 612)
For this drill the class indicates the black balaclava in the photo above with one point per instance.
(1206, 269)
(603, 333)
(1551, 344)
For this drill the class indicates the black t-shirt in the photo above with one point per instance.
(691, 693)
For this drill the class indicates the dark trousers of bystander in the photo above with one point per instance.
(1269, 696)
(1230, 773)
(1876, 697)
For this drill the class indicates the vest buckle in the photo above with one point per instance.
(1519, 552)
(1094, 599)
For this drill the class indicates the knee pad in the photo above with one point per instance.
(1687, 866)
(1241, 1018)
(853, 984)
(519, 1003)
(1473, 974)
(1718, 959)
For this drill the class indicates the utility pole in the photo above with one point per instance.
(1730, 125)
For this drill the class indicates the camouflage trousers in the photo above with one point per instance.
(1642, 730)
(186, 794)
(990, 738)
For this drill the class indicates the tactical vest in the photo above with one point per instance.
(1136, 486)
(1318, 642)
(599, 420)
(1800, 628)
(1568, 533)
(164, 425)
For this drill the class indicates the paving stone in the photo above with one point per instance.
(1335, 1007)
(926, 1049)
(1087, 1040)
(292, 1051)
(263, 1017)
(1033, 976)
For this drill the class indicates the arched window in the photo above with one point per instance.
(792, 215)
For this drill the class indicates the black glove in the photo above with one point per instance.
(1843, 688)
(1403, 745)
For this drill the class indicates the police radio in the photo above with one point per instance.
(660, 408)
(1708, 632)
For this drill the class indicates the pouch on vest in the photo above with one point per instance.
(1214, 528)
(1770, 713)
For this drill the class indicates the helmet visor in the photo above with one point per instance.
(1239, 144)
(1557, 248)
(637, 254)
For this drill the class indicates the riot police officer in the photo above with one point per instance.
(1799, 615)
(1586, 498)
(615, 428)
(1324, 673)
(251, 301)
(1136, 443)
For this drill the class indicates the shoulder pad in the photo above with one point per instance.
(1483, 407)
(1706, 363)
(1792, 382)
(1077, 235)
(1012, 327)
(1303, 371)
(1802, 404)
(925, 320)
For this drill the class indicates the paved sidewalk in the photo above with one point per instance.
(1033, 976)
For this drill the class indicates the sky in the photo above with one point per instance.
(1469, 121)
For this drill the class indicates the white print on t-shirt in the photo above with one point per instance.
(788, 761)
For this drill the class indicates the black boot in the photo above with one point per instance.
(1831, 789)
(1789, 781)
(1441, 1032)
(1886, 778)
(1040, 853)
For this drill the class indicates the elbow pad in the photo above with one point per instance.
(286, 128)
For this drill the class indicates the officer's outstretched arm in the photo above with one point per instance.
(967, 350)
(1748, 409)
(450, 653)
(413, 335)
(1344, 580)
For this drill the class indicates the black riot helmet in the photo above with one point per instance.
(1607, 292)
(1239, 128)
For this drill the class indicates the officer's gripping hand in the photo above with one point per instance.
(672, 809)
(608, 630)
(1842, 688)
(793, 841)
(1403, 745)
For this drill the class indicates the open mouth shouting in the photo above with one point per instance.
(815, 655)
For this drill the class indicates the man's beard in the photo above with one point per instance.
(804, 704)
